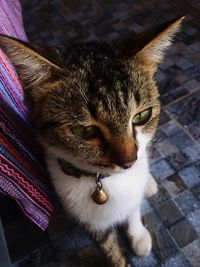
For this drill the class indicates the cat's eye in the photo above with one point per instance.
(142, 117)
(85, 133)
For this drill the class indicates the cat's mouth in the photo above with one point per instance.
(117, 164)
(113, 167)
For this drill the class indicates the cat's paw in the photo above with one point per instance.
(152, 187)
(142, 244)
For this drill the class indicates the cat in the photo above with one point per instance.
(96, 108)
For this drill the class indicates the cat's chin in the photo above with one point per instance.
(107, 168)
(113, 169)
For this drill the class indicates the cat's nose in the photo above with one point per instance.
(123, 151)
(127, 165)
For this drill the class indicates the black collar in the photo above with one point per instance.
(71, 170)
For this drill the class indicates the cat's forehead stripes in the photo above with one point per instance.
(138, 97)
(102, 91)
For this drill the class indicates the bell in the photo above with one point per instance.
(99, 196)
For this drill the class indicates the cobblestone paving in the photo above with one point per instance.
(173, 215)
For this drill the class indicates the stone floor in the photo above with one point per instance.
(173, 215)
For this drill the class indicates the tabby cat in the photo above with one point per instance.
(96, 107)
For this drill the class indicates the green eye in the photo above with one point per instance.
(142, 117)
(85, 133)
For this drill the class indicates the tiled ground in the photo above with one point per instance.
(173, 215)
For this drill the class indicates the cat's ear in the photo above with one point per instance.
(151, 53)
(32, 67)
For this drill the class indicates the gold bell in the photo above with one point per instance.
(99, 196)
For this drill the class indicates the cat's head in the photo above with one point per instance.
(97, 106)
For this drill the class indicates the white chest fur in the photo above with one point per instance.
(125, 191)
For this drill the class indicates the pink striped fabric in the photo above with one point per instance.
(22, 175)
